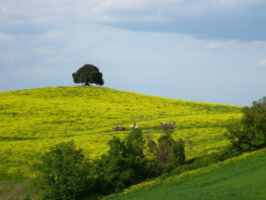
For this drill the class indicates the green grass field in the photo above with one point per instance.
(242, 178)
(34, 120)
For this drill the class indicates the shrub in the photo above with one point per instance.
(64, 173)
(135, 143)
(249, 133)
(171, 153)
(166, 154)
(179, 152)
(123, 165)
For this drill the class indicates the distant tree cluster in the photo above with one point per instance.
(88, 74)
(249, 133)
(65, 172)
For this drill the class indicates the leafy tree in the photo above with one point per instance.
(171, 153)
(249, 133)
(152, 147)
(88, 74)
(123, 165)
(63, 173)
(165, 156)
(168, 153)
(179, 152)
(135, 143)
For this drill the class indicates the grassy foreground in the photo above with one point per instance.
(34, 120)
(240, 178)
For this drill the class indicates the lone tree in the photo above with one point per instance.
(88, 74)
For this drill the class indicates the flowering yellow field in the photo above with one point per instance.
(36, 119)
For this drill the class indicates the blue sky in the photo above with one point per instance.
(207, 51)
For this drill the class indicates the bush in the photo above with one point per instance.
(123, 165)
(64, 173)
(179, 152)
(171, 153)
(249, 133)
(135, 143)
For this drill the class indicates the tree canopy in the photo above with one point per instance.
(249, 133)
(63, 173)
(88, 74)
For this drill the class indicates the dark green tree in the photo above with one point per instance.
(135, 143)
(88, 74)
(123, 165)
(179, 152)
(249, 132)
(170, 153)
(64, 173)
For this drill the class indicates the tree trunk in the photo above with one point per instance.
(87, 83)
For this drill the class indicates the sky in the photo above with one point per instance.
(207, 51)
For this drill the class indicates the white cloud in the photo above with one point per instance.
(3, 9)
(181, 16)
(108, 11)
(232, 3)
(70, 35)
(119, 4)
(236, 45)
(216, 45)
(262, 63)
(257, 45)
(100, 5)
(5, 36)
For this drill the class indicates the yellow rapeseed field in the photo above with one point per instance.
(34, 120)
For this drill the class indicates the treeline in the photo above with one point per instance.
(66, 173)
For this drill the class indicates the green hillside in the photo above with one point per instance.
(235, 179)
(34, 120)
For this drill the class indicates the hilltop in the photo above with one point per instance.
(36, 119)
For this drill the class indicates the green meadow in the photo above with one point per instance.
(34, 120)
(241, 178)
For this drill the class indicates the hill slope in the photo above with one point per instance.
(34, 120)
(235, 179)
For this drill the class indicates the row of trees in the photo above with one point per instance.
(66, 173)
